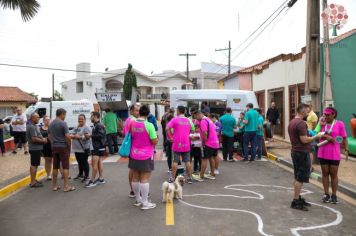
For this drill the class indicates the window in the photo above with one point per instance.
(80, 87)
(292, 102)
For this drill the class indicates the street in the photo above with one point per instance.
(246, 199)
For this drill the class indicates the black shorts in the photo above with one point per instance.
(20, 137)
(302, 165)
(210, 152)
(99, 153)
(35, 158)
(141, 165)
(329, 162)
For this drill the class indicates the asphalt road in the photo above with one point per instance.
(246, 199)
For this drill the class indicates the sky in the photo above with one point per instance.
(148, 34)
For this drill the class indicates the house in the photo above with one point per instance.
(343, 74)
(11, 97)
(282, 79)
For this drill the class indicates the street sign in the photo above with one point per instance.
(108, 97)
(306, 99)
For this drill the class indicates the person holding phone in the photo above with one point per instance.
(329, 153)
(81, 147)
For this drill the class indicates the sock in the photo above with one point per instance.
(145, 188)
(136, 190)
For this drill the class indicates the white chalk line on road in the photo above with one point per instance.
(337, 221)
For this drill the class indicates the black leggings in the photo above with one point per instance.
(197, 155)
(169, 153)
(83, 166)
(2, 146)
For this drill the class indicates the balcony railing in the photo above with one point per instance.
(155, 96)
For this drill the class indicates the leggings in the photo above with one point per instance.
(83, 166)
(169, 153)
(197, 155)
(2, 146)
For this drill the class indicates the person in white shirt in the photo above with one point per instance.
(19, 129)
(196, 151)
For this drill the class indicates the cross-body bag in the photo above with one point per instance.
(125, 147)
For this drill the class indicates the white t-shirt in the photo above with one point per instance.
(196, 143)
(19, 128)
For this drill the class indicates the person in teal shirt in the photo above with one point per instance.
(260, 134)
(110, 121)
(228, 123)
(250, 135)
(240, 133)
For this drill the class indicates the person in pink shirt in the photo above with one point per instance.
(181, 127)
(134, 114)
(143, 140)
(210, 143)
(329, 152)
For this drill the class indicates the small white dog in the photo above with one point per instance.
(173, 190)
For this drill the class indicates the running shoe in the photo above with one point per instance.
(137, 204)
(305, 203)
(14, 152)
(90, 184)
(231, 160)
(189, 180)
(298, 205)
(326, 198)
(216, 172)
(334, 199)
(209, 177)
(148, 206)
(100, 181)
(197, 178)
(132, 194)
(78, 177)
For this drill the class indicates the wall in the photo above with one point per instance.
(343, 77)
(10, 105)
(245, 81)
(232, 83)
(280, 74)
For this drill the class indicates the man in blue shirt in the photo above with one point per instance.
(250, 135)
(260, 134)
(228, 124)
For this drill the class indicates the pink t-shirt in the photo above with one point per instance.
(142, 132)
(181, 129)
(331, 151)
(127, 125)
(212, 140)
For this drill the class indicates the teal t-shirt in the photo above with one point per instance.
(228, 123)
(110, 122)
(241, 127)
(260, 122)
(252, 117)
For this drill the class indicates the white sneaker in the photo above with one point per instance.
(216, 172)
(138, 204)
(148, 206)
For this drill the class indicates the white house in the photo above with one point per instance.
(280, 79)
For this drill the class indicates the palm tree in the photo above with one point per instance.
(28, 8)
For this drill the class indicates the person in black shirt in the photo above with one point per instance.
(2, 145)
(272, 117)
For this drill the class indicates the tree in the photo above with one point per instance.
(35, 96)
(28, 8)
(57, 96)
(129, 82)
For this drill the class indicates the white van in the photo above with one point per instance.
(73, 108)
(217, 99)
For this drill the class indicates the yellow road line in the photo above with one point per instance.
(169, 213)
(6, 191)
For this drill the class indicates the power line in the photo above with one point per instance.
(283, 4)
(57, 69)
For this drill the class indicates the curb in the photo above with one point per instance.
(9, 189)
(316, 176)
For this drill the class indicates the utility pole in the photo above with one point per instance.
(312, 62)
(187, 55)
(327, 95)
(229, 57)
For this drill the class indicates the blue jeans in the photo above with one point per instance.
(259, 146)
(250, 138)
